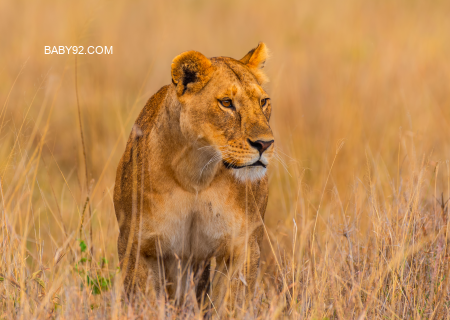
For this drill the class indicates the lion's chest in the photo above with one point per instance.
(195, 226)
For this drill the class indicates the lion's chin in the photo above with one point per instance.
(249, 173)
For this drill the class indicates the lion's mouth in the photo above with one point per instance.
(233, 166)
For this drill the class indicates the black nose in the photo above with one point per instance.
(260, 145)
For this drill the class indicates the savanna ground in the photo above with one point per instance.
(358, 219)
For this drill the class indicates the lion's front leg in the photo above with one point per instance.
(142, 271)
(235, 277)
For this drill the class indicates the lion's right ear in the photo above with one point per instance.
(190, 72)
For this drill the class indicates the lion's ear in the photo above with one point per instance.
(190, 72)
(255, 60)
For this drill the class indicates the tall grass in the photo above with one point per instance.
(358, 216)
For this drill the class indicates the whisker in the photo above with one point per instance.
(210, 160)
(277, 150)
(217, 156)
(280, 159)
(284, 166)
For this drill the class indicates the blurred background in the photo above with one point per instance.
(366, 80)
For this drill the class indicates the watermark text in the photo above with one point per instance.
(78, 50)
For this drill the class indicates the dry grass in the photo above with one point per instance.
(358, 217)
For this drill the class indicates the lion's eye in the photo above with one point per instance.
(264, 102)
(226, 103)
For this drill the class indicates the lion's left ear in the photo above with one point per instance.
(191, 71)
(255, 60)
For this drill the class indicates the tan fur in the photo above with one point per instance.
(181, 209)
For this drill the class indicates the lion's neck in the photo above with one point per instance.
(194, 166)
(193, 170)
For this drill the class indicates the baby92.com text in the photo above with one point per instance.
(78, 50)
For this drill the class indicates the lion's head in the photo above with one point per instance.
(225, 111)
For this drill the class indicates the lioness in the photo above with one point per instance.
(191, 188)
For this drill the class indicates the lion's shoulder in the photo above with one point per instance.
(148, 115)
(141, 129)
(145, 121)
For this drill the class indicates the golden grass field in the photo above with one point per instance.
(358, 219)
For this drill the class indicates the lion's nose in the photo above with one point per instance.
(260, 145)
